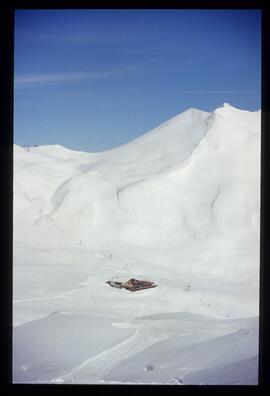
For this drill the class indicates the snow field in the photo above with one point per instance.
(180, 206)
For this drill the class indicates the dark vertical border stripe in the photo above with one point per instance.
(6, 193)
(264, 350)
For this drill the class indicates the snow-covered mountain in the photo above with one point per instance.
(179, 205)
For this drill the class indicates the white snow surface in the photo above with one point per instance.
(179, 206)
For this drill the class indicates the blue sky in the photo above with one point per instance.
(94, 79)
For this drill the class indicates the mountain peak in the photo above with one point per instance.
(248, 120)
(228, 108)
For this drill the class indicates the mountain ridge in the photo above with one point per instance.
(190, 188)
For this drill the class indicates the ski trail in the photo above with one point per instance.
(97, 367)
(50, 297)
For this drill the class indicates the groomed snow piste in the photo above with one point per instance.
(179, 206)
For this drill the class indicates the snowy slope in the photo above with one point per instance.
(179, 205)
(171, 348)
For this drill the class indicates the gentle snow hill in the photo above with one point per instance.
(179, 205)
(156, 349)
